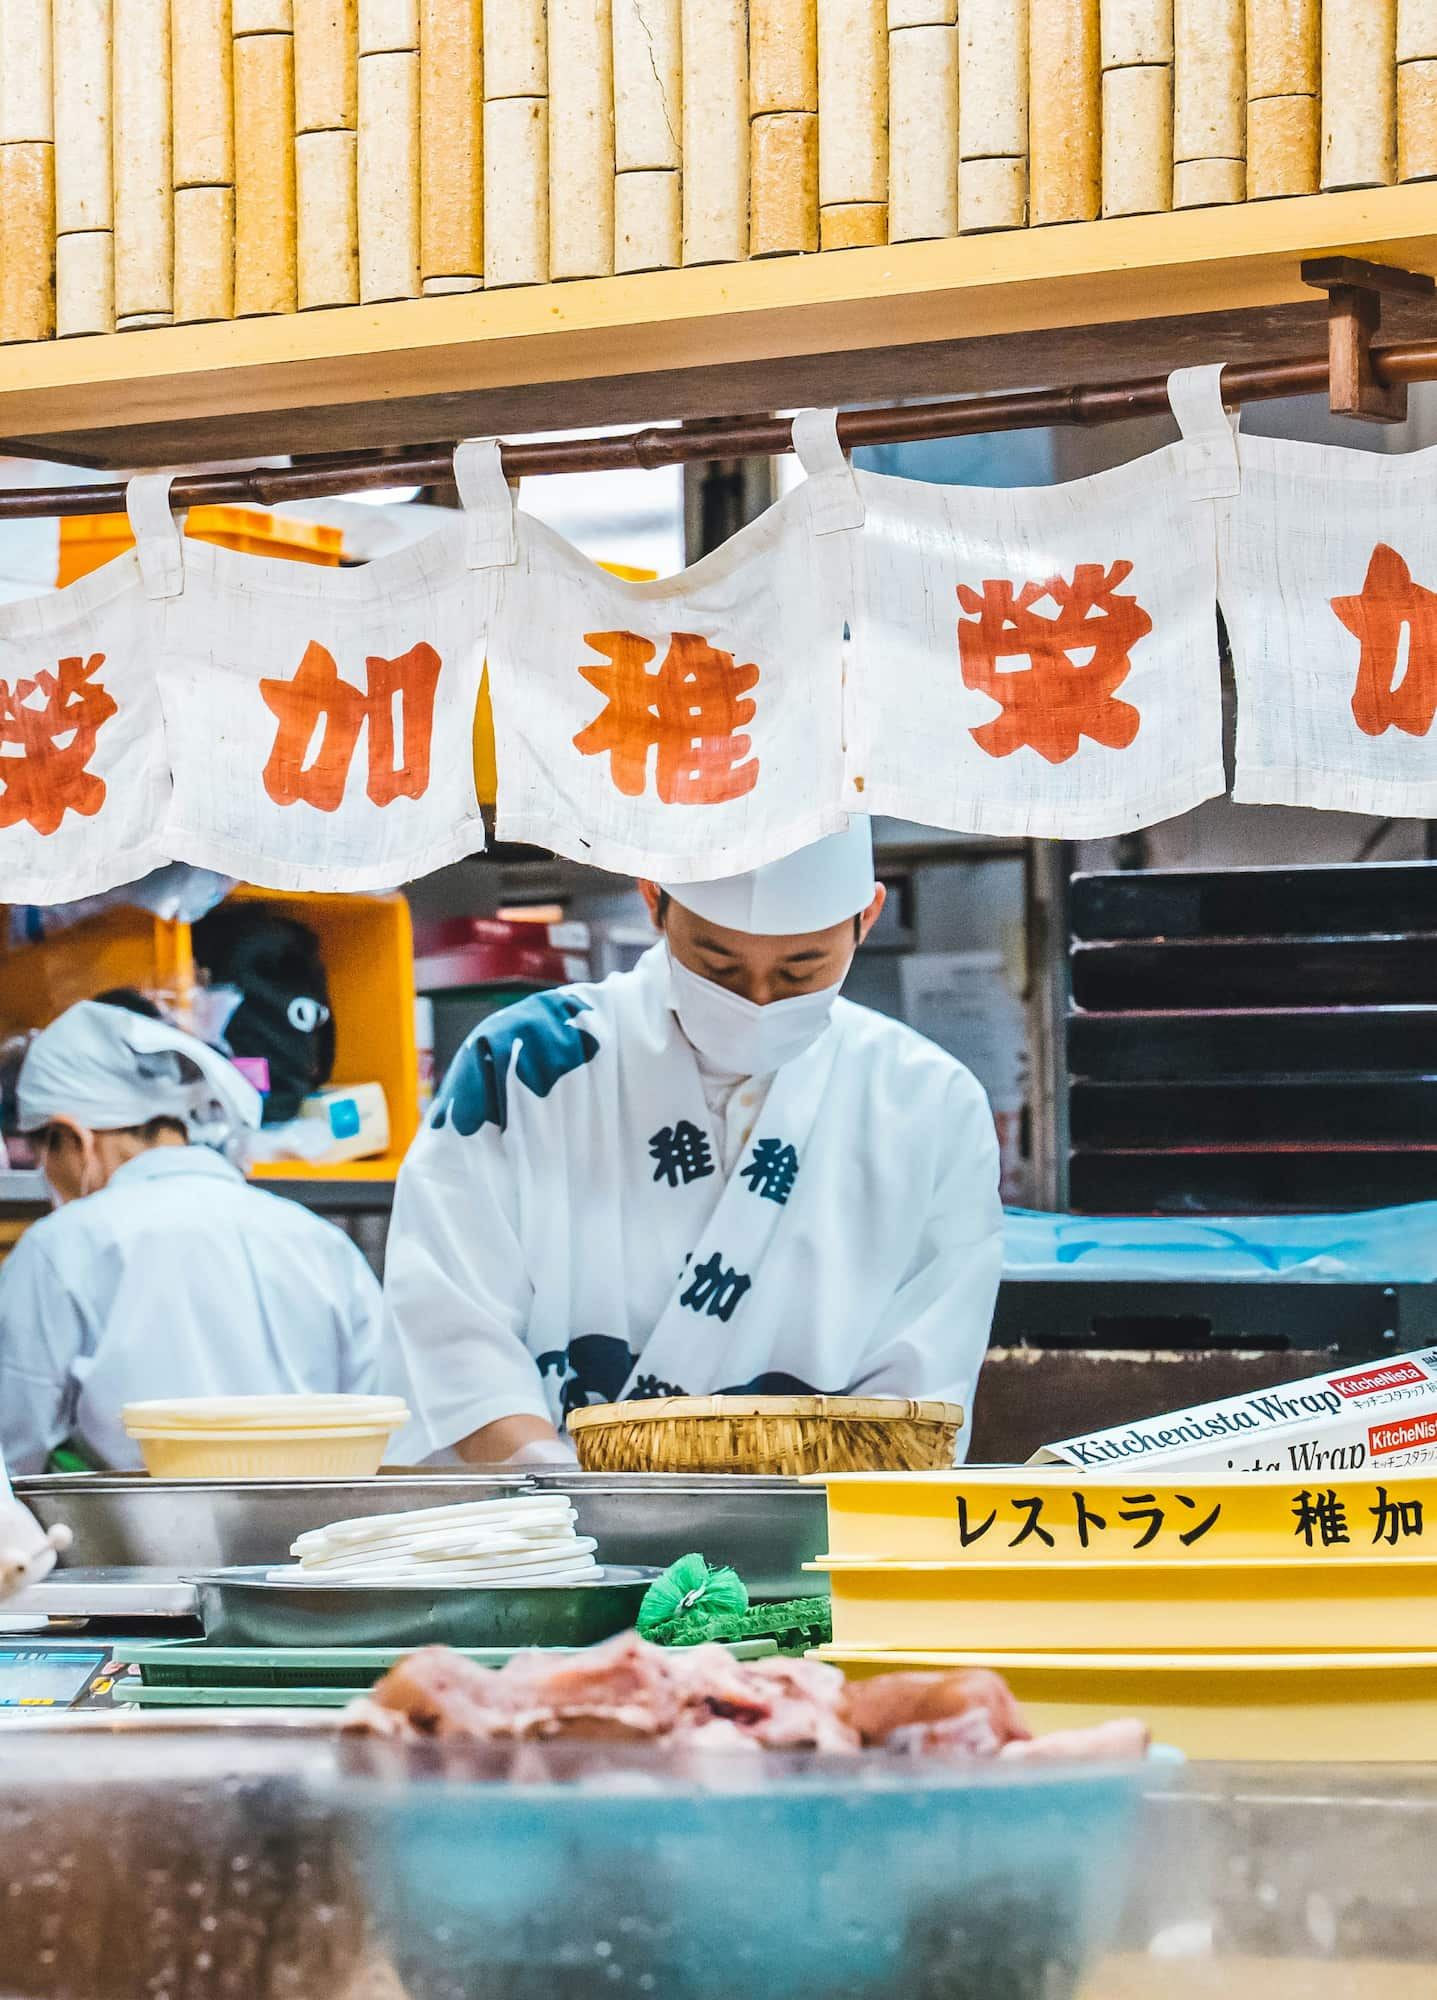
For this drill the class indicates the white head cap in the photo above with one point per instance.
(811, 890)
(109, 1069)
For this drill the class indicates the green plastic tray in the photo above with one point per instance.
(177, 1664)
(239, 1697)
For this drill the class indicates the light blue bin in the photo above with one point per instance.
(798, 1880)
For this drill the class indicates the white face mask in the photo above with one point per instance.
(739, 1038)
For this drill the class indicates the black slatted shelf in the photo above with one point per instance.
(1144, 1046)
(1396, 897)
(1254, 1040)
(1255, 1111)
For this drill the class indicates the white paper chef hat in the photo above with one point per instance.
(817, 887)
(108, 1069)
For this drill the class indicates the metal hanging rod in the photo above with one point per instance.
(736, 437)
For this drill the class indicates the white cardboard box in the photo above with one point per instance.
(1380, 1417)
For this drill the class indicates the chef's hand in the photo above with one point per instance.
(518, 1440)
(27, 1551)
(557, 1452)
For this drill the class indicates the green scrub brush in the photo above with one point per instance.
(689, 1589)
(691, 1605)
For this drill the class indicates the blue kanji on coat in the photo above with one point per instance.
(775, 1383)
(591, 1369)
(683, 1153)
(714, 1289)
(771, 1171)
(551, 1043)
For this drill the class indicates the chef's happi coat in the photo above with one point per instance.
(564, 1233)
(175, 1279)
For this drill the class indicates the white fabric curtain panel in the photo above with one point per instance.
(321, 721)
(686, 728)
(1027, 661)
(1044, 660)
(1328, 582)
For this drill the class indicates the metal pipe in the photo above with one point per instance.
(708, 438)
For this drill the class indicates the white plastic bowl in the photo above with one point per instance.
(265, 1437)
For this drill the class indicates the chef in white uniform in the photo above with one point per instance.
(706, 1175)
(161, 1272)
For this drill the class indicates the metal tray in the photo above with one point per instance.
(241, 1607)
(765, 1528)
(131, 1521)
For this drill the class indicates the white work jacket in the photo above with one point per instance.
(564, 1232)
(175, 1279)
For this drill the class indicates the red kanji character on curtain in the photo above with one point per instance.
(45, 745)
(1396, 684)
(321, 715)
(690, 712)
(1078, 656)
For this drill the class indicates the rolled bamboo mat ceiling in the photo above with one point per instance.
(171, 161)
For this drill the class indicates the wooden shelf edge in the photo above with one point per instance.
(737, 329)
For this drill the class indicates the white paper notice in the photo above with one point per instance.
(962, 1001)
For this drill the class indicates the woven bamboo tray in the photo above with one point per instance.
(790, 1435)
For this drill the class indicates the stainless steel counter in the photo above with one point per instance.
(81, 1592)
(766, 1529)
(131, 1521)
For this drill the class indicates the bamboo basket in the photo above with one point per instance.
(786, 1435)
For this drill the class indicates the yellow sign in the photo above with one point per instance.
(1037, 1514)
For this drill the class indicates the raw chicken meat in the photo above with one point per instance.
(627, 1690)
(781, 1704)
(889, 1702)
(1104, 1743)
(957, 1736)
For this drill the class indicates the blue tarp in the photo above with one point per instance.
(1392, 1246)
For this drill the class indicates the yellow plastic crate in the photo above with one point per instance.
(978, 1517)
(368, 950)
(1287, 1708)
(367, 945)
(86, 542)
(1379, 1604)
